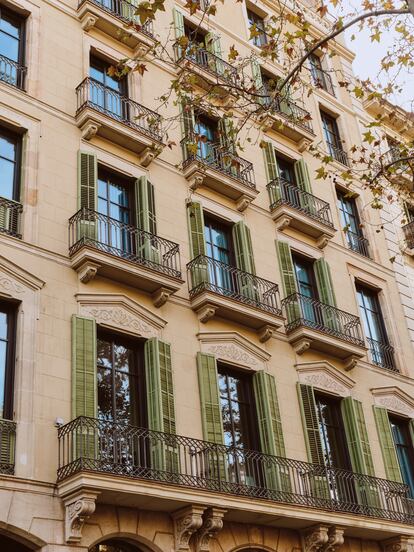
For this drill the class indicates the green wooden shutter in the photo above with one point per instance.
(196, 229)
(87, 194)
(243, 247)
(287, 272)
(179, 28)
(160, 404)
(324, 282)
(187, 121)
(302, 176)
(272, 172)
(84, 360)
(210, 399)
(7, 444)
(258, 81)
(146, 220)
(357, 436)
(392, 467)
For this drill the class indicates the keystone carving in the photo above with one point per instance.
(398, 544)
(78, 509)
(212, 524)
(89, 130)
(186, 522)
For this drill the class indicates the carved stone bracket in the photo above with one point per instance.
(196, 181)
(335, 539)
(87, 271)
(322, 241)
(282, 222)
(206, 313)
(301, 346)
(212, 524)
(89, 130)
(266, 332)
(141, 50)
(350, 362)
(303, 144)
(88, 21)
(78, 508)
(398, 544)
(315, 538)
(148, 155)
(242, 203)
(186, 522)
(160, 296)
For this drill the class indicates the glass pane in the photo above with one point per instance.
(3, 325)
(104, 353)
(97, 74)
(9, 47)
(7, 148)
(3, 358)
(122, 358)
(6, 178)
(10, 27)
(105, 394)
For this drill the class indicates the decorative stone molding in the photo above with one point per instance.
(315, 538)
(196, 181)
(141, 50)
(148, 155)
(335, 539)
(15, 281)
(350, 362)
(235, 348)
(121, 313)
(304, 144)
(282, 222)
(266, 333)
(89, 130)
(398, 544)
(324, 376)
(78, 508)
(186, 522)
(301, 346)
(87, 271)
(323, 241)
(395, 400)
(206, 313)
(212, 524)
(242, 203)
(88, 22)
(161, 296)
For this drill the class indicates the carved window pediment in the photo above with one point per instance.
(325, 376)
(395, 400)
(15, 281)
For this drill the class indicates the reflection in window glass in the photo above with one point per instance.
(9, 160)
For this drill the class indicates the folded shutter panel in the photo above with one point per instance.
(199, 266)
(272, 172)
(179, 29)
(210, 398)
(287, 272)
(87, 227)
(145, 220)
(392, 467)
(258, 82)
(302, 176)
(357, 436)
(243, 247)
(324, 282)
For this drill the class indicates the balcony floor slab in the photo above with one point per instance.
(285, 215)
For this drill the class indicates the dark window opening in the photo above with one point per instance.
(11, 48)
(257, 22)
(404, 448)
(10, 165)
(107, 92)
(351, 224)
(308, 290)
(114, 545)
(333, 138)
(207, 133)
(219, 247)
(8, 313)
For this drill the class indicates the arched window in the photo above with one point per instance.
(11, 545)
(114, 545)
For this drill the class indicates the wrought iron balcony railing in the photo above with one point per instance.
(382, 354)
(208, 61)
(7, 446)
(122, 9)
(10, 217)
(93, 94)
(91, 229)
(217, 157)
(322, 79)
(408, 231)
(283, 192)
(12, 72)
(338, 154)
(311, 313)
(357, 243)
(288, 109)
(109, 448)
(207, 274)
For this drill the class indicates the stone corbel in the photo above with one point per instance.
(148, 155)
(303, 144)
(282, 222)
(87, 271)
(301, 346)
(266, 123)
(398, 544)
(196, 181)
(322, 241)
(89, 130)
(315, 538)
(335, 539)
(161, 296)
(78, 508)
(228, 101)
(212, 524)
(186, 522)
(242, 203)
(266, 332)
(350, 362)
(206, 313)
(88, 21)
(141, 50)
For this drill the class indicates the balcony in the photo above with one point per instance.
(104, 112)
(398, 170)
(100, 245)
(12, 73)
(117, 19)
(382, 354)
(219, 289)
(209, 69)
(338, 154)
(7, 446)
(287, 118)
(291, 206)
(136, 466)
(10, 217)
(408, 231)
(357, 243)
(218, 168)
(322, 79)
(321, 327)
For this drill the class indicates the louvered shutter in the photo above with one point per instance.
(160, 404)
(84, 385)
(302, 176)
(326, 294)
(272, 173)
(187, 121)
(392, 467)
(243, 250)
(213, 45)
(87, 195)
(7, 445)
(179, 29)
(258, 82)
(317, 475)
(198, 250)
(146, 220)
(210, 399)
(287, 272)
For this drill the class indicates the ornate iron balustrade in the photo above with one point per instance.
(382, 354)
(283, 192)
(309, 312)
(91, 229)
(93, 94)
(122, 9)
(92, 445)
(338, 154)
(288, 109)
(357, 243)
(10, 217)
(12, 72)
(218, 157)
(207, 274)
(408, 231)
(208, 61)
(7, 446)
(322, 79)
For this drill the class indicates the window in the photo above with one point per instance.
(333, 138)
(381, 352)
(208, 129)
(257, 22)
(404, 448)
(7, 358)
(121, 381)
(107, 92)
(10, 156)
(332, 432)
(320, 77)
(351, 223)
(219, 247)
(11, 48)
(307, 288)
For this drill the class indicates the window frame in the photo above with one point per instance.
(17, 138)
(335, 132)
(403, 422)
(382, 327)
(11, 308)
(311, 271)
(262, 39)
(21, 20)
(102, 63)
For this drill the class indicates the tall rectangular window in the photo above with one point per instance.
(333, 138)
(404, 448)
(257, 22)
(219, 247)
(7, 358)
(10, 160)
(11, 48)
(107, 92)
(308, 290)
(351, 224)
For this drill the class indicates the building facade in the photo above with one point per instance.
(197, 354)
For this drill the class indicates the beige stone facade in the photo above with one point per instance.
(180, 508)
